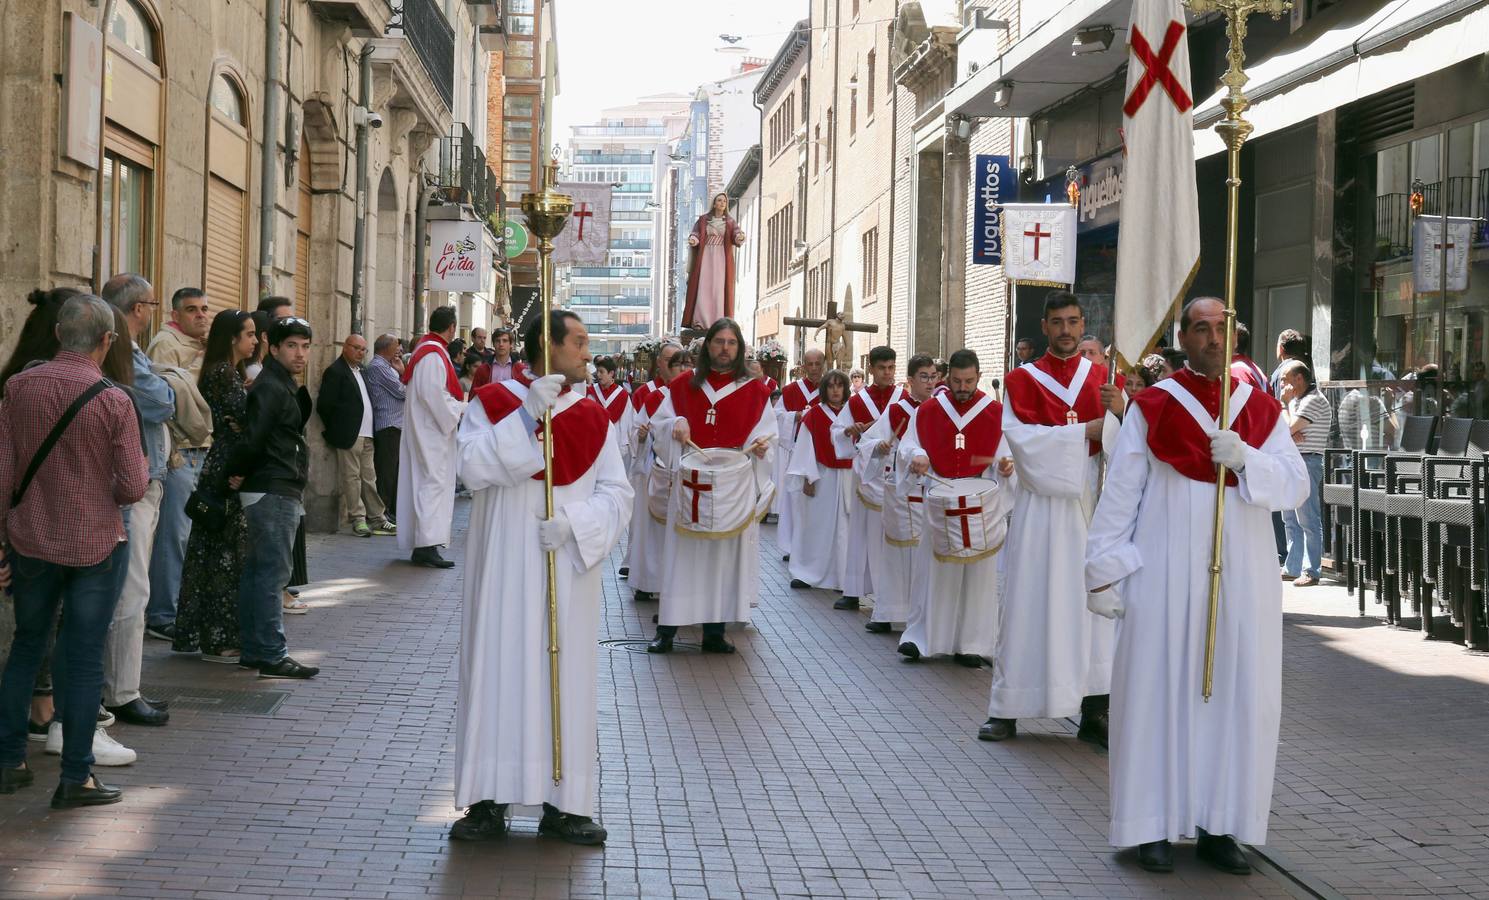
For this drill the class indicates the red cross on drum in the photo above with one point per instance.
(965, 520)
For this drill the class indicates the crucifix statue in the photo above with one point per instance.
(837, 326)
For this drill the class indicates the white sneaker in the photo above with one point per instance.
(106, 750)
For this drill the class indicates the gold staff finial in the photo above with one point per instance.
(547, 213)
(1233, 130)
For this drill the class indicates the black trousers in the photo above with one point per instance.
(710, 629)
(385, 463)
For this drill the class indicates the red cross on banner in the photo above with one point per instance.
(963, 512)
(1038, 233)
(581, 212)
(698, 488)
(1156, 70)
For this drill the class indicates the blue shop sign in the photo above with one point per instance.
(995, 185)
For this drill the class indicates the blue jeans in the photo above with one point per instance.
(87, 595)
(171, 532)
(1305, 525)
(272, 521)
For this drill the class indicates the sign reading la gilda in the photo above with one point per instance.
(457, 253)
(995, 186)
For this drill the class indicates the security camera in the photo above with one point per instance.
(364, 116)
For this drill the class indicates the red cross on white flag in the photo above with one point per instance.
(1159, 252)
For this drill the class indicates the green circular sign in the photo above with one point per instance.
(514, 238)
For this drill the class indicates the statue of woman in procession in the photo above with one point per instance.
(711, 266)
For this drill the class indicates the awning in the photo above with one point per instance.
(1351, 51)
(1040, 65)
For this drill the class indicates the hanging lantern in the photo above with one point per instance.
(1073, 186)
(1418, 196)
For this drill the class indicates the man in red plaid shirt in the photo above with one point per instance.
(64, 542)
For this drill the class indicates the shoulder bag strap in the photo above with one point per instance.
(45, 449)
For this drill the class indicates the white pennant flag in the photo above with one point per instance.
(1158, 254)
(585, 240)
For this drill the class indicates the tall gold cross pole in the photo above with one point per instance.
(1233, 130)
(547, 213)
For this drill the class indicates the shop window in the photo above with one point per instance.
(128, 226)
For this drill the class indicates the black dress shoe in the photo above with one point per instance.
(644, 596)
(12, 780)
(970, 660)
(429, 557)
(1093, 728)
(909, 651)
(482, 822)
(158, 704)
(715, 643)
(138, 712)
(571, 828)
(998, 729)
(846, 603)
(71, 796)
(624, 571)
(295, 592)
(798, 585)
(662, 643)
(288, 668)
(1222, 852)
(786, 558)
(877, 627)
(1156, 856)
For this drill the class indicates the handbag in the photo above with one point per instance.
(207, 509)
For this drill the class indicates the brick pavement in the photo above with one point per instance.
(848, 773)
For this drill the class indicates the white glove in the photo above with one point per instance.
(555, 532)
(1227, 449)
(1107, 604)
(542, 394)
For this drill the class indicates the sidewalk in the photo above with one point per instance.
(812, 763)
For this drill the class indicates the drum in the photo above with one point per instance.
(658, 491)
(717, 494)
(965, 519)
(903, 514)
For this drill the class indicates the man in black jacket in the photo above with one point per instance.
(269, 470)
(346, 410)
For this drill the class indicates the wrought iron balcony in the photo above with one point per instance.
(465, 179)
(423, 25)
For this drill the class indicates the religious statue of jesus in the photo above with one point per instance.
(837, 341)
(711, 266)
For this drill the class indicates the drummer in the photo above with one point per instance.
(712, 579)
(824, 480)
(955, 440)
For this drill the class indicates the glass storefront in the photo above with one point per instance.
(1415, 352)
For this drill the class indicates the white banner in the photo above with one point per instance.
(1039, 243)
(585, 240)
(1427, 248)
(457, 252)
(1159, 252)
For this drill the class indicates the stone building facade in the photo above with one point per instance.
(181, 140)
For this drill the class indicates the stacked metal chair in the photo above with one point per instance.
(1453, 536)
(1372, 550)
(1405, 571)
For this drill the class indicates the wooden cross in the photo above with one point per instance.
(801, 325)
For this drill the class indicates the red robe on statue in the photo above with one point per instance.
(695, 264)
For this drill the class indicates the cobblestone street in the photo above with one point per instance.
(860, 777)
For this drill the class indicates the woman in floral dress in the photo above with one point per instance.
(207, 609)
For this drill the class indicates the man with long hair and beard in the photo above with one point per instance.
(712, 578)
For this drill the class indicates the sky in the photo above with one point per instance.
(610, 52)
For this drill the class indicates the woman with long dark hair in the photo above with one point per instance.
(37, 341)
(207, 608)
(711, 266)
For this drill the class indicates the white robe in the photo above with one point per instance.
(785, 502)
(865, 523)
(426, 457)
(894, 570)
(1177, 762)
(956, 604)
(819, 548)
(503, 746)
(704, 580)
(647, 536)
(1052, 651)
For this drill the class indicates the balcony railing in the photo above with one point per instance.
(612, 271)
(1467, 196)
(631, 244)
(423, 25)
(464, 176)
